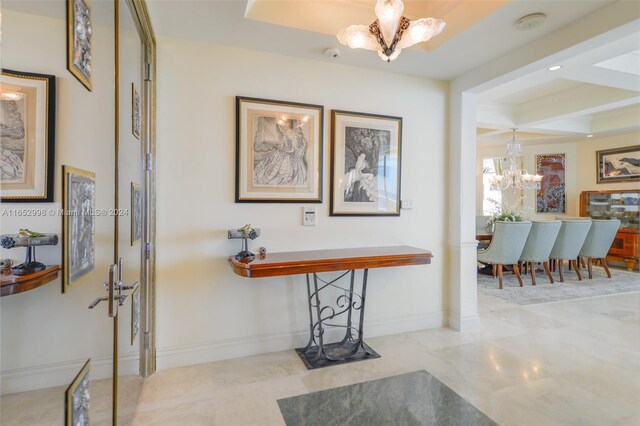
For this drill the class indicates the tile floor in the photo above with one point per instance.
(570, 362)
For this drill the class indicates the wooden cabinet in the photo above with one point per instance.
(622, 205)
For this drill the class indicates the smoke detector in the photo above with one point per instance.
(530, 22)
(332, 53)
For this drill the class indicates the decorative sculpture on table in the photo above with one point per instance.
(246, 233)
(30, 240)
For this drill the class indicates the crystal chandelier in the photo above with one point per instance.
(391, 32)
(514, 177)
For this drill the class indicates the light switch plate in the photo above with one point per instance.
(309, 216)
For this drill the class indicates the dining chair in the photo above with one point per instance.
(538, 247)
(505, 247)
(568, 244)
(598, 243)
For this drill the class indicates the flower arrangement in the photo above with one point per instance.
(512, 212)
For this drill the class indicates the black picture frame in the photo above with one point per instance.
(48, 140)
(376, 125)
(245, 167)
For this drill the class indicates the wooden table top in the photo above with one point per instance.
(304, 262)
(14, 284)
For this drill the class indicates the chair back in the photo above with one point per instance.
(570, 239)
(507, 243)
(540, 241)
(599, 238)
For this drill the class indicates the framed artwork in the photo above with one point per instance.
(77, 397)
(78, 225)
(618, 165)
(365, 164)
(136, 212)
(27, 139)
(135, 314)
(278, 151)
(136, 116)
(79, 41)
(551, 197)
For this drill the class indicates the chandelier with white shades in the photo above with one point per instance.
(514, 177)
(391, 32)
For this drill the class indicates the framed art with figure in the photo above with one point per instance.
(618, 165)
(27, 138)
(278, 151)
(365, 164)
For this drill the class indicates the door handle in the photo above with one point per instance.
(120, 287)
(111, 294)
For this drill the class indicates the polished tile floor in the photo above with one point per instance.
(570, 362)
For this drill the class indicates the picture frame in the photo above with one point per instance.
(552, 196)
(366, 164)
(28, 117)
(77, 397)
(136, 114)
(80, 41)
(618, 165)
(78, 225)
(136, 212)
(135, 314)
(278, 151)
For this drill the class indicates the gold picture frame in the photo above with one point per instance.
(78, 225)
(278, 151)
(77, 397)
(28, 119)
(80, 41)
(136, 112)
(135, 314)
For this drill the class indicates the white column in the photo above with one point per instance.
(463, 286)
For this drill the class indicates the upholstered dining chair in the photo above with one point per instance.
(538, 246)
(505, 247)
(598, 243)
(568, 244)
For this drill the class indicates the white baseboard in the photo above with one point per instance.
(59, 374)
(180, 356)
(470, 323)
(62, 373)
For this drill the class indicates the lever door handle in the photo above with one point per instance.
(95, 302)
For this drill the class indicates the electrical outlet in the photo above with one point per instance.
(406, 204)
(309, 216)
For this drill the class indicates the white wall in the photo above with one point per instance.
(47, 335)
(529, 153)
(204, 311)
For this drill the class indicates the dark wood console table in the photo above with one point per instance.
(317, 353)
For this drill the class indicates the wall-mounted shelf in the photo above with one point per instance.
(14, 284)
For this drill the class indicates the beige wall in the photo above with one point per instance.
(205, 312)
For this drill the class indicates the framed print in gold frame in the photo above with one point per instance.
(78, 225)
(28, 119)
(278, 151)
(618, 165)
(77, 397)
(80, 41)
(135, 314)
(366, 160)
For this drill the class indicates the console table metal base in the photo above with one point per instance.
(323, 316)
(335, 350)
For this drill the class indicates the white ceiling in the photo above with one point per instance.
(596, 92)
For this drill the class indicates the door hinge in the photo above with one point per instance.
(147, 340)
(148, 162)
(147, 251)
(147, 71)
